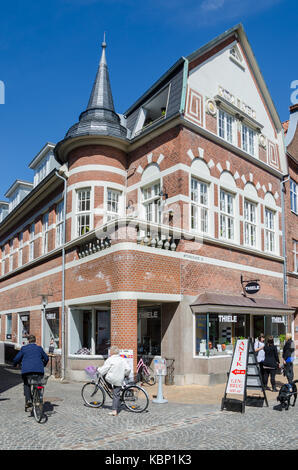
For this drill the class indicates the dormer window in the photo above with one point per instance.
(17, 192)
(153, 111)
(41, 171)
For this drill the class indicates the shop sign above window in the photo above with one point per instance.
(227, 318)
(278, 320)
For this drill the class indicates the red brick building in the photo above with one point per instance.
(167, 209)
(291, 198)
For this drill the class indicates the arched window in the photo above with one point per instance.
(151, 194)
(250, 215)
(227, 207)
(200, 197)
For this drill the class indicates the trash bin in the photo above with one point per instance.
(169, 378)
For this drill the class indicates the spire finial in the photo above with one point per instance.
(104, 44)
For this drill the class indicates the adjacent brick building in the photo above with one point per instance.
(167, 209)
(291, 198)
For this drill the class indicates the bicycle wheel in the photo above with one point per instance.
(93, 395)
(149, 377)
(37, 405)
(135, 398)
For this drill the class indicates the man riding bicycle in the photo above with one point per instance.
(34, 360)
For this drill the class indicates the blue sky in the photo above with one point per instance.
(49, 51)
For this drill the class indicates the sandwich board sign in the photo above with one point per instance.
(244, 374)
(128, 355)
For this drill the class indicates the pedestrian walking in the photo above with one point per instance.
(115, 369)
(270, 364)
(33, 360)
(259, 349)
(288, 356)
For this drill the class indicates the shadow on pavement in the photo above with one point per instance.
(9, 377)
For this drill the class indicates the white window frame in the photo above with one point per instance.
(59, 223)
(45, 233)
(31, 241)
(270, 230)
(20, 250)
(248, 140)
(3, 258)
(41, 171)
(250, 220)
(114, 203)
(200, 208)
(83, 214)
(226, 126)
(152, 203)
(295, 253)
(294, 196)
(11, 254)
(227, 217)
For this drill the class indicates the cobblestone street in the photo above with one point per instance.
(173, 426)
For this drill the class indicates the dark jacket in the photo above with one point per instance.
(288, 349)
(271, 357)
(32, 357)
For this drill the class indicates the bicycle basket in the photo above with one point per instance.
(37, 380)
(91, 372)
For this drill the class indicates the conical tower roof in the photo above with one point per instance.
(100, 117)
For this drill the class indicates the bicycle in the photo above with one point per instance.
(37, 384)
(134, 397)
(145, 372)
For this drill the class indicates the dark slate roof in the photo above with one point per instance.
(100, 117)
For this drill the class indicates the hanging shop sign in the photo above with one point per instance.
(250, 286)
(24, 317)
(51, 316)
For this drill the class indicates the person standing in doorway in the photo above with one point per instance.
(288, 356)
(270, 364)
(259, 350)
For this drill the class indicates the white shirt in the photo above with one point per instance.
(115, 369)
(261, 353)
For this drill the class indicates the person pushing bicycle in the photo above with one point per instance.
(34, 360)
(115, 369)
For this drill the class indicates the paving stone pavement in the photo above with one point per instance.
(172, 426)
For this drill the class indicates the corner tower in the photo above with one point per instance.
(95, 150)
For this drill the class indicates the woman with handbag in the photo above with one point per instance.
(270, 364)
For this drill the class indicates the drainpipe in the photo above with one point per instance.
(62, 174)
(284, 248)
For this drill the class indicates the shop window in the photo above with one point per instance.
(103, 332)
(23, 328)
(90, 332)
(51, 328)
(216, 334)
(149, 331)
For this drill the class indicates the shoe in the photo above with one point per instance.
(28, 405)
(267, 388)
(112, 413)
